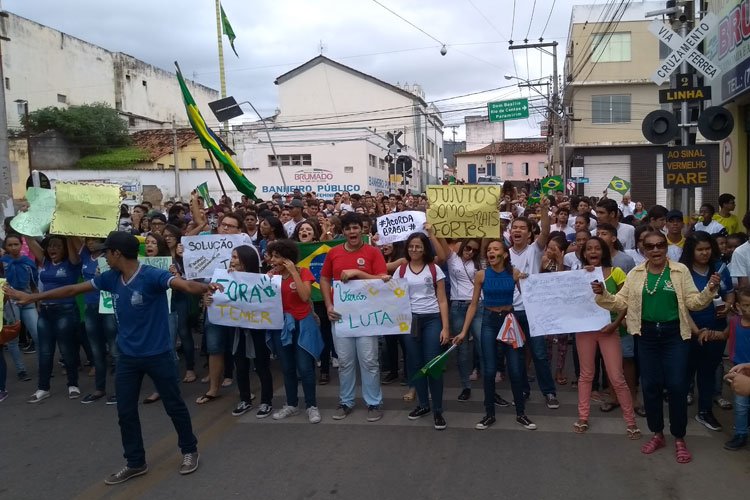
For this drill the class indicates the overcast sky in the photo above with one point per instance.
(275, 36)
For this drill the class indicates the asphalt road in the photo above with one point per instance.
(63, 449)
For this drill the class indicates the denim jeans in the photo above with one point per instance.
(702, 366)
(419, 352)
(741, 410)
(364, 351)
(161, 369)
(538, 347)
(664, 357)
(262, 364)
(295, 359)
(390, 356)
(16, 356)
(327, 333)
(3, 370)
(30, 318)
(57, 326)
(181, 306)
(102, 332)
(491, 323)
(466, 349)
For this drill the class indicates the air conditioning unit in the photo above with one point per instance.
(569, 110)
(489, 158)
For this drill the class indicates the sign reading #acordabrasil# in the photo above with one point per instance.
(461, 211)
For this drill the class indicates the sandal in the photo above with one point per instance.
(634, 433)
(653, 444)
(205, 379)
(409, 396)
(562, 380)
(640, 411)
(189, 378)
(682, 454)
(609, 406)
(206, 398)
(150, 400)
(227, 382)
(574, 384)
(580, 427)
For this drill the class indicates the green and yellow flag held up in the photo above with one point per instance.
(552, 184)
(227, 29)
(620, 185)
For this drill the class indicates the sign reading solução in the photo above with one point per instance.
(686, 166)
(508, 110)
(206, 253)
(464, 211)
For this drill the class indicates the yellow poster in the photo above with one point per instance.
(463, 211)
(86, 209)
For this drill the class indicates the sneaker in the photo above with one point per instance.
(498, 377)
(474, 375)
(3, 396)
(418, 413)
(112, 400)
(324, 379)
(286, 411)
(374, 413)
(342, 412)
(335, 362)
(30, 349)
(38, 396)
(241, 408)
(552, 402)
(708, 420)
(527, 424)
(313, 415)
(252, 397)
(126, 473)
(74, 392)
(465, 395)
(189, 462)
(722, 403)
(264, 410)
(389, 378)
(90, 398)
(690, 399)
(24, 377)
(486, 421)
(739, 441)
(500, 401)
(439, 422)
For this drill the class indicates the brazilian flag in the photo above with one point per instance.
(620, 185)
(312, 256)
(227, 29)
(535, 198)
(552, 184)
(434, 368)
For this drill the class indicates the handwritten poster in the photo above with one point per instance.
(398, 226)
(105, 298)
(464, 211)
(563, 302)
(206, 253)
(249, 300)
(86, 209)
(35, 221)
(372, 307)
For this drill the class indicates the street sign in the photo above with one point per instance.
(576, 171)
(582, 180)
(686, 167)
(571, 185)
(687, 95)
(508, 110)
(684, 48)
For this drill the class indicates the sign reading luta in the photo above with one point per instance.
(372, 307)
(249, 300)
(462, 211)
(85, 209)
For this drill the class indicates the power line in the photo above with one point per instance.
(513, 21)
(408, 22)
(486, 18)
(533, 8)
(541, 37)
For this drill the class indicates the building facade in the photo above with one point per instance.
(511, 160)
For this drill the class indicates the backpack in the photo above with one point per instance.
(433, 272)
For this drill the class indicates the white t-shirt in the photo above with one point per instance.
(565, 229)
(626, 209)
(674, 252)
(422, 295)
(290, 226)
(739, 267)
(637, 256)
(346, 207)
(572, 262)
(625, 234)
(529, 261)
(713, 227)
(461, 275)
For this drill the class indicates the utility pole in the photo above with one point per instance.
(176, 161)
(6, 180)
(28, 133)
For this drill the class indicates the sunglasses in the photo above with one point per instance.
(653, 246)
(471, 249)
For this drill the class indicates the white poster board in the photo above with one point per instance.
(105, 298)
(563, 303)
(249, 300)
(398, 226)
(206, 253)
(372, 307)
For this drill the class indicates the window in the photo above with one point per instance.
(193, 163)
(127, 78)
(172, 167)
(381, 163)
(131, 121)
(7, 83)
(372, 161)
(62, 99)
(610, 109)
(542, 169)
(348, 170)
(508, 170)
(525, 169)
(21, 108)
(430, 148)
(160, 166)
(207, 164)
(143, 82)
(614, 47)
(290, 160)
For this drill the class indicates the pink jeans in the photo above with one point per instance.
(611, 350)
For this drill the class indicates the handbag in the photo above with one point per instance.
(511, 332)
(10, 330)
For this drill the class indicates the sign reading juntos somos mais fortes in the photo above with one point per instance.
(372, 307)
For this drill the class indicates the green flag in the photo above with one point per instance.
(203, 191)
(435, 367)
(535, 197)
(620, 185)
(227, 29)
(552, 184)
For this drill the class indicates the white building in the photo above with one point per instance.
(481, 132)
(45, 67)
(330, 133)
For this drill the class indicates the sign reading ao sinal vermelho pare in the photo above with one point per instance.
(687, 166)
(508, 110)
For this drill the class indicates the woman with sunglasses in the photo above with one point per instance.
(658, 295)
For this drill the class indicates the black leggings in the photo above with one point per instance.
(262, 367)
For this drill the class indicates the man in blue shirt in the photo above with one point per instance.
(143, 340)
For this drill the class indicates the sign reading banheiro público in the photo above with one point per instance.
(687, 166)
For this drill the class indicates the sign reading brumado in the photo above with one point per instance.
(397, 227)
(204, 254)
(372, 307)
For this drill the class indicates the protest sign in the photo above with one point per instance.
(463, 211)
(35, 221)
(86, 209)
(249, 300)
(206, 253)
(372, 307)
(398, 226)
(105, 298)
(563, 302)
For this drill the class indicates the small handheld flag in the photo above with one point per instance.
(435, 367)
(227, 29)
(552, 184)
(535, 198)
(620, 185)
(203, 191)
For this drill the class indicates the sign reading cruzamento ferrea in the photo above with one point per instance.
(461, 211)
(686, 166)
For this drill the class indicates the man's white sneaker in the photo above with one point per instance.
(286, 411)
(38, 396)
(74, 392)
(313, 415)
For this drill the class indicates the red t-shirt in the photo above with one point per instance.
(290, 300)
(367, 259)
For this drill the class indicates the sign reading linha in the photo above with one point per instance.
(684, 95)
(687, 166)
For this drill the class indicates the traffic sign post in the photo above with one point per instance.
(513, 109)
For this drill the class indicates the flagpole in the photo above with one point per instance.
(222, 79)
(221, 184)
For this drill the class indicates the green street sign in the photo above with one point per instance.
(508, 110)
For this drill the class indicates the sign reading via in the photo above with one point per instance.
(508, 110)
(687, 166)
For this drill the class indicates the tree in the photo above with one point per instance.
(94, 128)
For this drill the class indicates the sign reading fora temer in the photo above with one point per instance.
(687, 166)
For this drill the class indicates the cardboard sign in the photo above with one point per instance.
(462, 211)
(207, 253)
(105, 298)
(372, 307)
(398, 226)
(249, 300)
(36, 220)
(86, 209)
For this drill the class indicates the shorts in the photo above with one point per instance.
(628, 346)
(217, 337)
